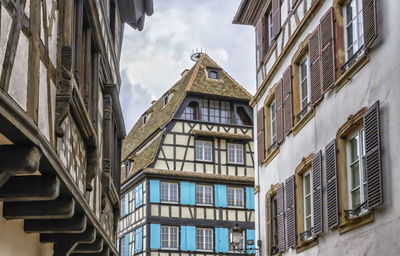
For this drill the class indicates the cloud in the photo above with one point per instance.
(135, 99)
(152, 60)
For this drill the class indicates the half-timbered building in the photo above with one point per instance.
(327, 119)
(61, 124)
(188, 167)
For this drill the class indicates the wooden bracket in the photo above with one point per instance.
(88, 236)
(95, 247)
(57, 209)
(30, 188)
(76, 224)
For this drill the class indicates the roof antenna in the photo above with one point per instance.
(196, 54)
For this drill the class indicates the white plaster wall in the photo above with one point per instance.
(14, 241)
(378, 80)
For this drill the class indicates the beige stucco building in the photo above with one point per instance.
(61, 124)
(327, 113)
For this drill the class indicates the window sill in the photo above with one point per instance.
(203, 161)
(303, 121)
(351, 71)
(304, 245)
(270, 156)
(350, 224)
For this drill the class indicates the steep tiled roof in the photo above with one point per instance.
(159, 115)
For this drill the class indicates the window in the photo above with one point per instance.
(272, 122)
(235, 153)
(204, 195)
(169, 192)
(270, 27)
(191, 111)
(226, 112)
(354, 31)
(242, 118)
(235, 197)
(214, 73)
(304, 84)
(356, 170)
(203, 150)
(274, 225)
(204, 239)
(169, 237)
(123, 212)
(131, 202)
(307, 201)
(214, 111)
(204, 110)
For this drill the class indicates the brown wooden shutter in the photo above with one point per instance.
(287, 101)
(281, 218)
(328, 50)
(268, 226)
(315, 66)
(260, 135)
(317, 193)
(259, 42)
(276, 18)
(279, 111)
(369, 9)
(331, 185)
(290, 212)
(265, 35)
(373, 157)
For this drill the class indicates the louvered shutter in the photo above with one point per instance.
(268, 224)
(276, 18)
(138, 240)
(260, 135)
(370, 19)
(373, 157)
(281, 218)
(220, 196)
(290, 212)
(259, 42)
(287, 101)
(315, 66)
(327, 50)
(279, 111)
(317, 193)
(331, 185)
(188, 193)
(250, 198)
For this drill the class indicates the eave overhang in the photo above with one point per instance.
(249, 11)
(134, 12)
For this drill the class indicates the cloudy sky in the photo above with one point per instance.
(153, 59)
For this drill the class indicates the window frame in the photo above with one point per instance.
(310, 196)
(235, 204)
(169, 196)
(236, 153)
(195, 108)
(306, 108)
(169, 240)
(243, 243)
(272, 122)
(204, 242)
(203, 201)
(215, 71)
(356, 19)
(196, 148)
(361, 171)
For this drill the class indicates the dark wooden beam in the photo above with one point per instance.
(30, 188)
(89, 236)
(18, 159)
(95, 247)
(61, 208)
(76, 224)
(104, 252)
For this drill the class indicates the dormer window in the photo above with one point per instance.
(214, 73)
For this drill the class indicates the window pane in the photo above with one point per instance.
(308, 206)
(307, 184)
(354, 154)
(355, 175)
(355, 195)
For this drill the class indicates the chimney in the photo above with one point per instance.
(184, 72)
